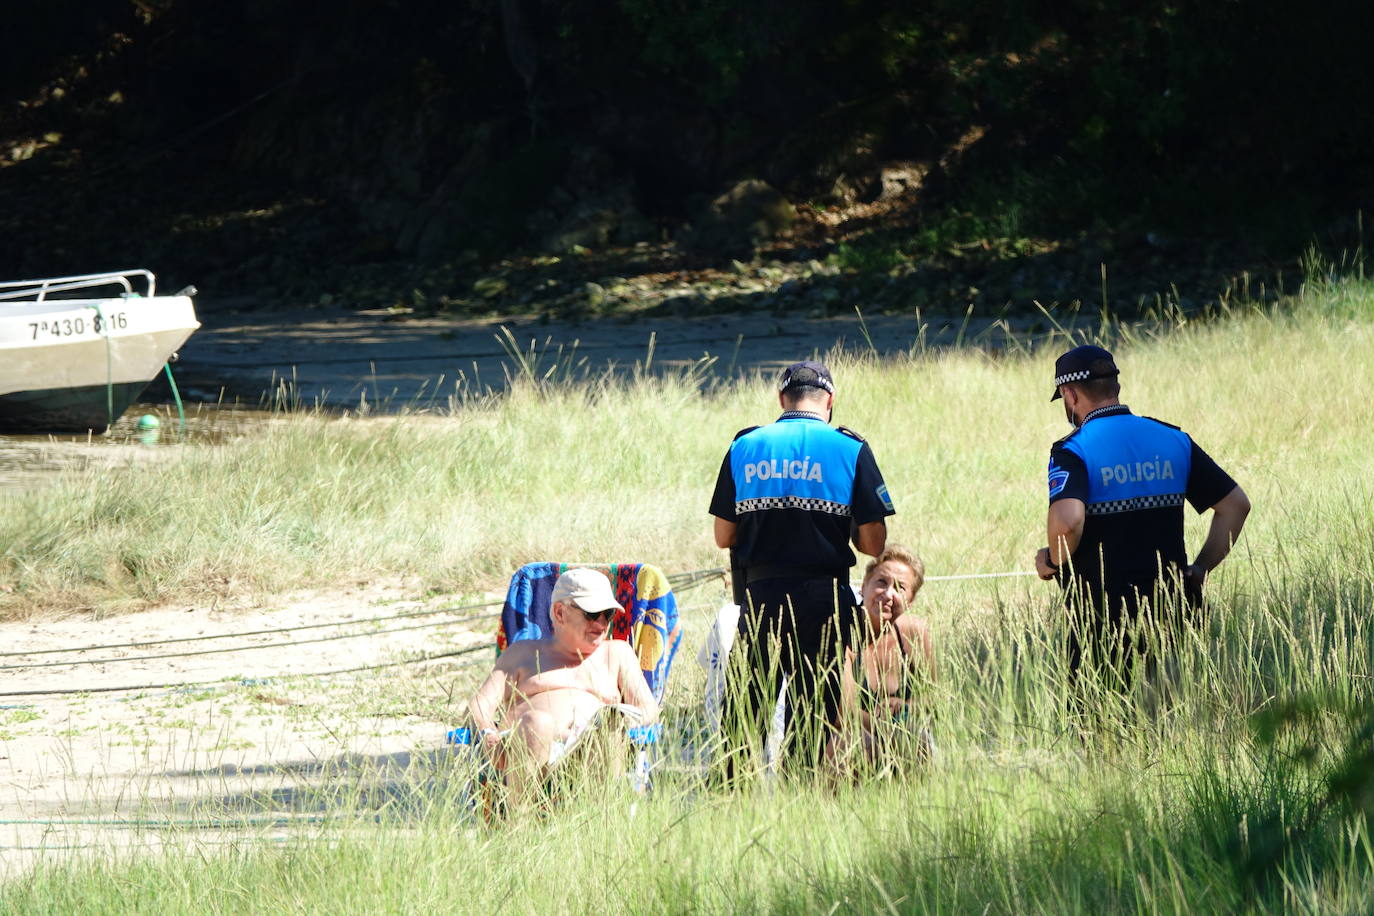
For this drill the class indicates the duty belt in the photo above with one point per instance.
(756, 573)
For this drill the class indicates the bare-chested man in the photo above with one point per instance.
(543, 690)
(897, 660)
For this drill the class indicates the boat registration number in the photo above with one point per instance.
(74, 327)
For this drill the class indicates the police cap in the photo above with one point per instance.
(1083, 363)
(807, 373)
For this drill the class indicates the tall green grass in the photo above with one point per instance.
(1239, 780)
(611, 469)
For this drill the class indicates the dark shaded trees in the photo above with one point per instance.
(432, 126)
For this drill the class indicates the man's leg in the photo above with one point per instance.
(751, 689)
(843, 630)
(1083, 646)
(792, 612)
(1102, 643)
(1175, 616)
(826, 624)
(525, 759)
(593, 753)
(1133, 638)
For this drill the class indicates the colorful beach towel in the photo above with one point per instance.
(647, 620)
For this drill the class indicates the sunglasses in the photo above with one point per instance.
(604, 616)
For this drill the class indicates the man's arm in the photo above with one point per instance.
(869, 538)
(1228, 518)
(486, 706)
(634, 690)
(725, 533)
(1064, 526)
(723, 505)
(1068, 483)
(870, 502)
(1209, 487)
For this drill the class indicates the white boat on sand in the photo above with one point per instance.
(75, 352)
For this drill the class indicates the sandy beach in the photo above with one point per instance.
(86, 763)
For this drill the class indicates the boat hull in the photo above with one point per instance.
(66, 410)
(76, 365)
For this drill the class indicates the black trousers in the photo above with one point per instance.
(1112, 633)
(797, 628)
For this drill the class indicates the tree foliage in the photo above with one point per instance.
(1182, 110)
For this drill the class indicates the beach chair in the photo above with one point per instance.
(648, 621)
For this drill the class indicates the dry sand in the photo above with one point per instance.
(102, 770)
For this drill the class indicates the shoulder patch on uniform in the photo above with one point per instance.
(850, 433)
(884, 497)
(745, 431)
(1161, 423)
(1059, 478)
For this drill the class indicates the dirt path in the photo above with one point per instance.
(344, 357)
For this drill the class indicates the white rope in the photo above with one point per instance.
(997, 575)
(700, 575)
(697, 576)
(856, 583)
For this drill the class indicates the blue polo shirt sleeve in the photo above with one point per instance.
(1068, 475)
(870, 501)
(1208, 484)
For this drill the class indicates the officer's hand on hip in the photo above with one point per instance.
(1043, 567)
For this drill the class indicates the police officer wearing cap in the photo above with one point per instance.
(1117, 485)
(790, 499)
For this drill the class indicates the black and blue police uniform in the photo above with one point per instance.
(1133, 475)
(796, 490)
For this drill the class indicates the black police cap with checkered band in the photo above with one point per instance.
(1077, 365)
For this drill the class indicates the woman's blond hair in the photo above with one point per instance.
(899, 554)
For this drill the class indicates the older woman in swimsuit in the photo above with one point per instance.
(884, 702)
(543, 692)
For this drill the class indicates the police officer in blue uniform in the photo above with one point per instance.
(790, 499)
(1117, 485)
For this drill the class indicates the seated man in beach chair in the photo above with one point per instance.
(886, 681)
(545, 693)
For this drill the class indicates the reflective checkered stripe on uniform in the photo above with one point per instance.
(791, 502)
(1158, 501)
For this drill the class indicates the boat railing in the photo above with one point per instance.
(38, 290)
